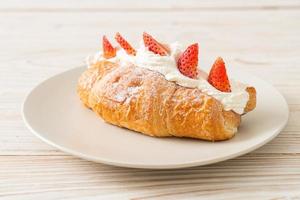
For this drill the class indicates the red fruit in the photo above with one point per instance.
(154, 46)
(108, 50)
(188, 61)
(125, 45)
(218, 77)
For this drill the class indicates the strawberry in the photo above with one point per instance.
(108, 50)
(154, 46)
(188, 61)
(125, 45)
(218, 77)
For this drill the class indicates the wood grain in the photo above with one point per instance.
(74, 178)
(136, 5)
(41, 38)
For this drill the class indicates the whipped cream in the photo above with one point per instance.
(235, 100)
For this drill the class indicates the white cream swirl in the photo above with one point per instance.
(235, 100)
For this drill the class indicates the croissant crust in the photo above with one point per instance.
(144, 101)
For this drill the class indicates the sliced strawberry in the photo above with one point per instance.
(125, 45)
(218, 77)
(108, 50)
(188, 61)
(154, 46)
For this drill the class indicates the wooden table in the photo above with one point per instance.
(39, 39)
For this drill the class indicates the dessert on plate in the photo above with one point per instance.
(159, 90)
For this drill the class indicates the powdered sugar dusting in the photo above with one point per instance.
(167, 66)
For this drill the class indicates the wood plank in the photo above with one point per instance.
(31, 177)
(136, 5)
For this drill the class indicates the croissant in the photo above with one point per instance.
(144, 101)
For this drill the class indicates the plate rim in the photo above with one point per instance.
(147, 166)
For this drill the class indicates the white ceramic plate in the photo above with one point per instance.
(54, 113)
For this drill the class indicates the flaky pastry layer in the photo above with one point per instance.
(144, 101)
